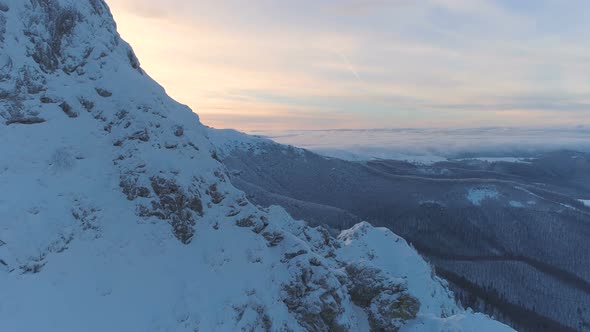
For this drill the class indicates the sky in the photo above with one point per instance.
(326, 64)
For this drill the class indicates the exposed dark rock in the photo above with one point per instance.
(64, 24)
(59, 22)
(384, 298)
(6, 63)
(193, 145)
(98, 6)
(2, 27)
(30, 81)
(260, 226)
(47, 100)
(130, 187)
(216, 196)
(215, 156)
(246, 222)
(103, 93)
(34, 265)
(389, 312)
(25, 121)
(127, 186)
(178, 131)
(86, 216)
(133, 61)
(220, 175)
(315, 297)
(141, 135)
(88, 105)
(367, 282)
(234, 212)
(171, 146)
(196, 205)
(315, 262)
(67, 109)
(273, 238)
(121, 115)
(175, 205)
(261, 322)
(291, 255)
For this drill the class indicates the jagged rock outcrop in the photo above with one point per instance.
(386, 299)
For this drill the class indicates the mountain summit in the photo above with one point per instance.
(117, 215)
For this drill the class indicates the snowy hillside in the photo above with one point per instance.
(117, 215)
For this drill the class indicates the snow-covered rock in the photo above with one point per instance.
(117, 215)
(387, 254)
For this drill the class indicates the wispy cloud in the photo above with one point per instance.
(366, 63)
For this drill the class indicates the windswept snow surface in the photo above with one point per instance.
(117, 215)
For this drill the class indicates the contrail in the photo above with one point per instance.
(351, 68)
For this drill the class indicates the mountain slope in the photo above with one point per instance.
(117, 215)
(512, 237)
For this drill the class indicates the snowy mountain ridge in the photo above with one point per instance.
(117, 215)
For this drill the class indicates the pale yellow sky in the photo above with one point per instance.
(215, 71)
(356, 64)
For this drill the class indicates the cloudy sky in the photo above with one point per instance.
(314, 64)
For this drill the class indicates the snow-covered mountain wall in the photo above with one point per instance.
(117, 215)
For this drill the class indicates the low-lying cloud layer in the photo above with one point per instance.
(435, 144)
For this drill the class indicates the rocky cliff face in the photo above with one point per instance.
(117, 215)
